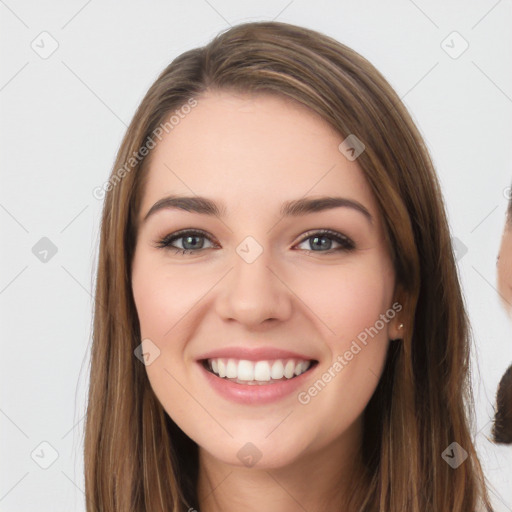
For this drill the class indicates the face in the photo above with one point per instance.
(259, 293)
(505, 268)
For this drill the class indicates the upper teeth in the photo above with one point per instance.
(242, 369)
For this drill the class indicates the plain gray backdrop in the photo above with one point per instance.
(71, 76)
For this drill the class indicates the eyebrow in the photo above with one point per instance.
(294, 208)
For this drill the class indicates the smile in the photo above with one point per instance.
(262, 372)
(256, 382)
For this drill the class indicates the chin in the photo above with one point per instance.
(256, 454)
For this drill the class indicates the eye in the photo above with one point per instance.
(323, 239)
(191, 240)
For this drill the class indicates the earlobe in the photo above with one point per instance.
(397, 326)
(396, 330)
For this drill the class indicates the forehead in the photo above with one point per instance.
(252, 150)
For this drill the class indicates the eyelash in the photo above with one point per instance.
(346, 244)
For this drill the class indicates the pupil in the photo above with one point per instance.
(324, 243)
(192, 245)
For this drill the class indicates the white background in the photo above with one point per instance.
(62, 119)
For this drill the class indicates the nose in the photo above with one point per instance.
(253, 293)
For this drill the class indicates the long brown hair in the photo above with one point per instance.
(136, 458)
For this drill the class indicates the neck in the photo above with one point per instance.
(315, 482)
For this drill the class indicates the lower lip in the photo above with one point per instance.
(254, 393)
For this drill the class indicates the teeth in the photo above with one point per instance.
(222, 368)
(289, 369)
(231, 369)
(258, 371)
(262, 371)
(301, 368)
(245, 370)
(277, 371)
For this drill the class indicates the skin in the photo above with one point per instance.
(253, 153)
(505, 268)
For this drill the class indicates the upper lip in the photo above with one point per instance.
(253, 354)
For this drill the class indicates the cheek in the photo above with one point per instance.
(164, 297)
(349, 299)
(504, 269)
(352, 304)
(162, 300)
(355, 306)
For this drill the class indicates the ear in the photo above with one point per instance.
(396, 329)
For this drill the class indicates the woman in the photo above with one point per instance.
(238, 364)
(502, 428)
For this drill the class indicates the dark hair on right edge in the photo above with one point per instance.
(135, 458)
(502, 427)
